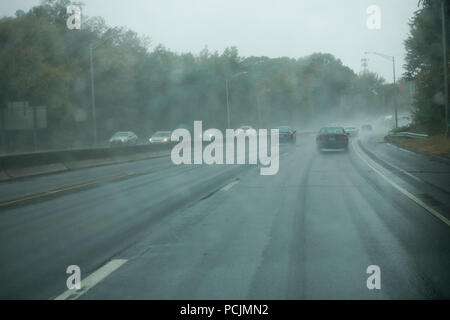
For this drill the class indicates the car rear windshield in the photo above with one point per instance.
(331, 131)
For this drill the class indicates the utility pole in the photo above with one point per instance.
(444, 45)
(364, 65)
(94, 116)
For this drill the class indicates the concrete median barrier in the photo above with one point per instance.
(3, 176)
(38, 163)
(35, 170)
(31, 164)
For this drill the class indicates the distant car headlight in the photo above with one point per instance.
(150, 140)
(110, 140)
(165, 139)
(123, 140)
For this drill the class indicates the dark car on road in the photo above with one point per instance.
(126, 138)
(332, 138)
(286, 134)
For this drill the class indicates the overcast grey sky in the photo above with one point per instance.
(273, 28)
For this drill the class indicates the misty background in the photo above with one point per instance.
(160, 65)
(285, 28)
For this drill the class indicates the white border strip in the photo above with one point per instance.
(374, 166)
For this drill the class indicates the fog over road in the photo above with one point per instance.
(226, 232)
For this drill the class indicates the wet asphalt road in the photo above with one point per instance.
(226, 232)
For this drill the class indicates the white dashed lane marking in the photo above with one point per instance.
(92, 280)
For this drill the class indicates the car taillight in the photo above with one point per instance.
(290, 133)
(322, 138)
(345, 137)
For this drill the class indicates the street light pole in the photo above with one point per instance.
(227, 92)
(392, 58)
(258, 102)
(94, 116)
(258, 106)
(228, 105)
(395, 93)
(444, 45)
(94, 113)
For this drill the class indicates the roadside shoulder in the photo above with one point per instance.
(417, 147)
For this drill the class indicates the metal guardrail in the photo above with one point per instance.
(408, 135)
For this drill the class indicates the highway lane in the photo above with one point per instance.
(200, 232)
(309, 232)
(40, 238)
(23, 187)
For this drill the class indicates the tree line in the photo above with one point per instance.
(144, 87)
(425, 65)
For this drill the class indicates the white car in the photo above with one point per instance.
(160, 137)
(123, 139)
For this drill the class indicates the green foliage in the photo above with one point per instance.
(424, 64)
(145, 88)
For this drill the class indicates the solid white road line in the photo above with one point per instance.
(404, 172)
(401, 149)
(92, 280)
(378, 169)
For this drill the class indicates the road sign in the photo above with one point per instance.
(20, 116)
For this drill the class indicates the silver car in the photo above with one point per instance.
(160, 137)
(126, 138)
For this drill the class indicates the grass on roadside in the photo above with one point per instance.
(436, 145)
